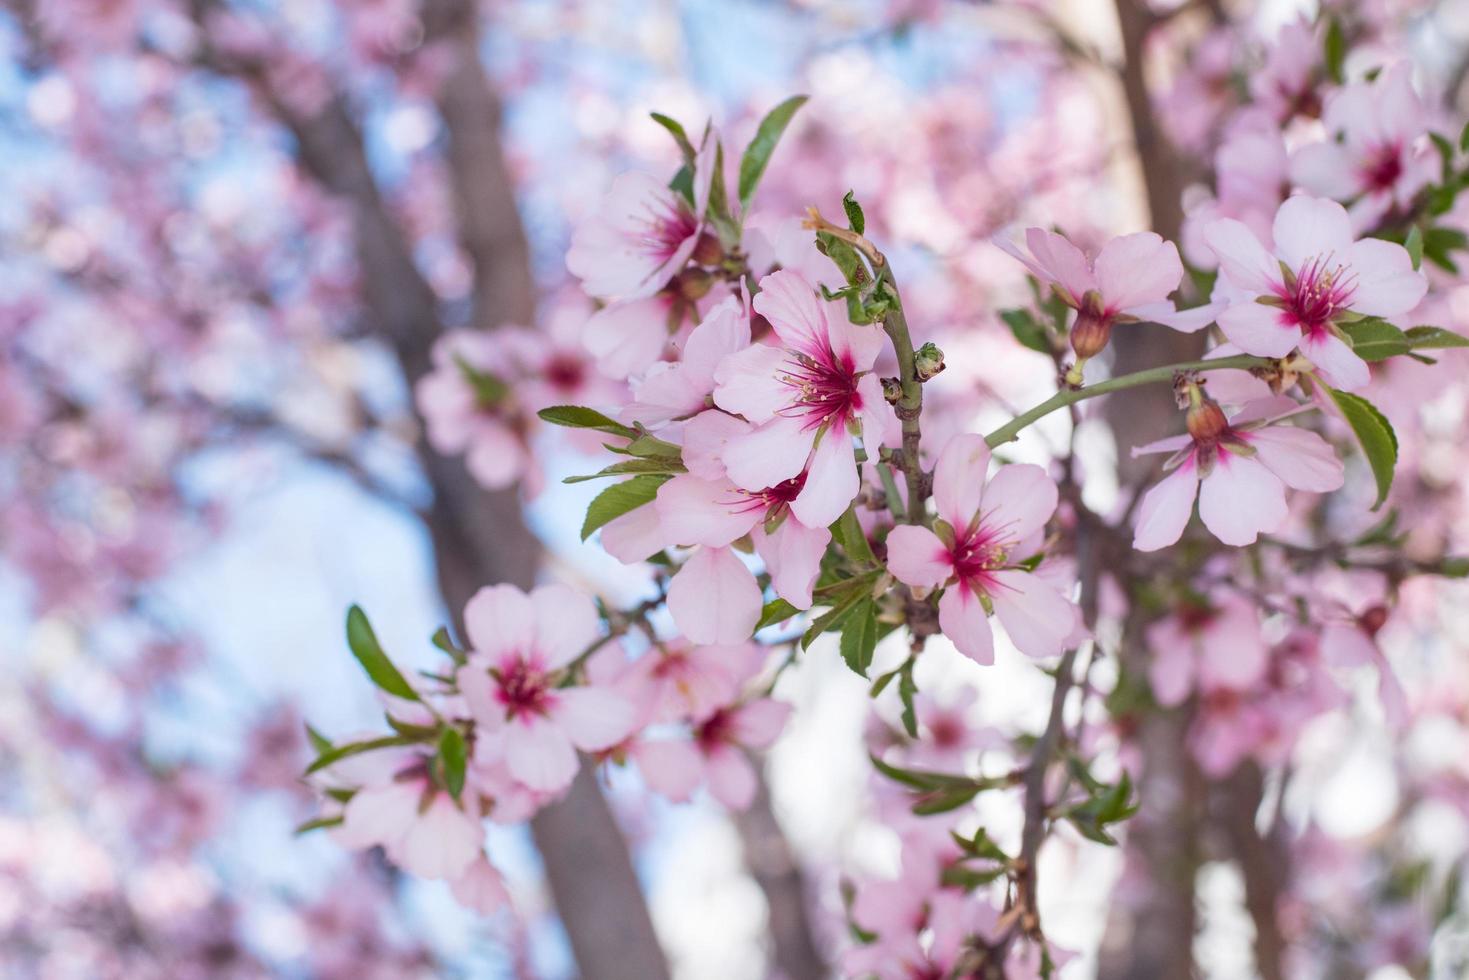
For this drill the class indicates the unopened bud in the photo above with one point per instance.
(1373, 620)
(708, 251)
(694, 283)
(892, 390)
(1206, 421)
(1090, 334)
(928, 361)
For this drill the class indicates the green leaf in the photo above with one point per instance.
(357, 748)
(319, 823)
(488, 389)
(1454, 567)
(847, 259)
(1414, 244)
(838, 612)
(923, 780)
(1374, 339)
(1027, 330)
(980, 846)
(453, 756)
(683, 184)
(859, 637)
(1434, 338)
(907, 688)
(719, 213)
(444, 642)
(757, 154)
(370, 655)
(1335, 51)
(856, 220)
(644, 464)
(1374, 434)
(1440, 243)
(775, 611)
(319, 742)
(619, 499)
(1464, 139)
(847, 532)
(676, 130)
(942, 801)
(581, 417)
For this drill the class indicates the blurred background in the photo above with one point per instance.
(232, 230)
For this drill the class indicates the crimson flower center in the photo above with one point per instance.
(1384, 169)
(1321, 291)
(523, 689)
(664, 227)
(976, 555)
(824, 387)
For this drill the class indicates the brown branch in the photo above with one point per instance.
(774, 867)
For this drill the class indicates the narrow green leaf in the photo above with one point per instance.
(357, 748)
(1464, 139)
(319, 742)
(1335, 51)
(841, 606)
(856, 220)
(757, 154)
(924, 780)
(370, 655)
(581, 417)
(444, 642)
(942, 801)
(906, 690)
(644, 464)
(1374, 339)
(1374, 434)
(1434, 338)
(775, 611)
(676, 130)
(319, 823)
(1028, 331)
(453, 756)
(846, 258)
(619, 499)
(1414, 244)
(859, 637)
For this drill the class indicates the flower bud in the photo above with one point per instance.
(1373, 620)
(892, 390)
(708, 251)
(1093, 328)
(694, 284)
(1206, 421)
(928, 361)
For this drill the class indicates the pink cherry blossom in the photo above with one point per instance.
(1128, 280)
(987, 527)
(399, 807)
(469, 409)
(1205, 645)
(1238, 467)
(1374, 158)
(718, 754)
(1317, 276)
(642, 233)
(510, 683)
(805, 398)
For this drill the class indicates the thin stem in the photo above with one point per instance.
(909, 407)
(1070, 396)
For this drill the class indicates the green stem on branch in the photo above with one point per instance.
(909, 407)
(1070, 396)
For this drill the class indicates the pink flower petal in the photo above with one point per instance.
(1386, 282)
(963, 621)
(539, 754)
(1301, 458)
(831, 481)
(793, 556)
(714, 598)
(695, 511)
(1260, 330)
(1240, 499)
(769, 454)
(917, 557)
(566, 623)
(1308, 227)
(959, 479)
(1037, 618)
(1134, 270)
(1166, 508)
(1018, 501)
(500, 619)
(1242, 259)
(593, 718)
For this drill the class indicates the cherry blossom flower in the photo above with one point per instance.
(1316, 278)
(1374, 155)
(803, 397)
(986, 528)
(1129, 280)
(510, 683)
(468, 407)
(642, 234)
(1205, 644)
(1238, 467)
(399, 806)
(717, 755)
(1286, 84)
